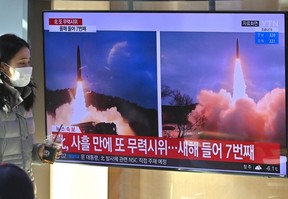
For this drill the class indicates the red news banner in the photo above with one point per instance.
(65, 21)
(171, 148)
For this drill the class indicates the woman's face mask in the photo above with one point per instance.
(19, 77)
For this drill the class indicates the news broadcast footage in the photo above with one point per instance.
(191, 91)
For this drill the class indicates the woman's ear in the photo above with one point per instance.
(4, 68)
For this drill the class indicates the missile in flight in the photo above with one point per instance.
(237, 49)
(79, 67)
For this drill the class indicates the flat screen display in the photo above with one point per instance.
(189, 91)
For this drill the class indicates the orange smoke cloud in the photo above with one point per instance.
(262, 121)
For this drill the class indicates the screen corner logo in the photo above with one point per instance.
(250, 23)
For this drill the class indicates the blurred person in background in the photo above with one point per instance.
(15, 183)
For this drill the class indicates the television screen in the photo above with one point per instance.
(189, 91)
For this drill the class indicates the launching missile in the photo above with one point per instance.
(237, 49)
(79, 67)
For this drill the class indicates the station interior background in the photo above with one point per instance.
(74, 181)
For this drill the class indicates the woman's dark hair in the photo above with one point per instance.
(10, 44)
(15, 183)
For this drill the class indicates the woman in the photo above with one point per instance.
(17, 96)
(15, 183)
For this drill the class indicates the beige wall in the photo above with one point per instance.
(154, 184)
(80, 5)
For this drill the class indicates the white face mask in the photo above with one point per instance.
(21, 76)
